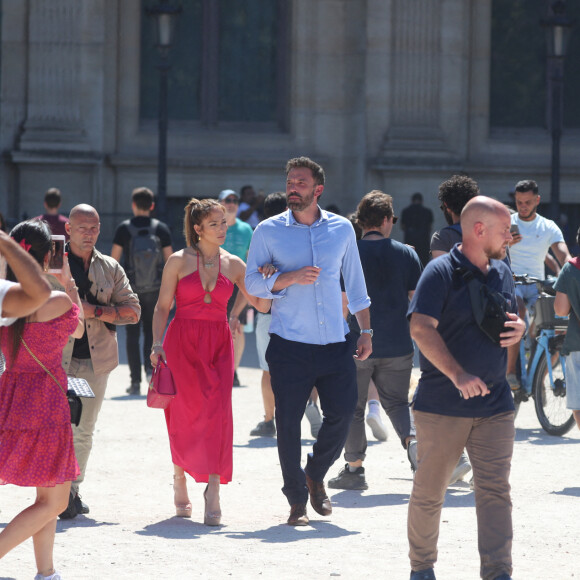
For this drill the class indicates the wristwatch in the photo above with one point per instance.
(98, 311)
(367, 331)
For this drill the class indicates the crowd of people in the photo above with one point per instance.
(339, 310)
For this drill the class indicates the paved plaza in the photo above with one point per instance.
(131, 531)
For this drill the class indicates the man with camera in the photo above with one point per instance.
(463, 398)
(108, 301)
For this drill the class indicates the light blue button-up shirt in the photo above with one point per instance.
(309, 313)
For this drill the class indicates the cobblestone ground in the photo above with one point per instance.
(131, 531)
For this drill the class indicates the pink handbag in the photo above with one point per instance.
(161, 388)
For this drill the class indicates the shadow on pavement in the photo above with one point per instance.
(540, 437)
(258, 443)
(176, 529)
(573, 491)
(459, 498)
(356, 499)
(283, 533)
(81, 522)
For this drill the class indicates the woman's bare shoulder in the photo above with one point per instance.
(232, 265)
(55, 306)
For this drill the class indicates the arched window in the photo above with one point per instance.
(228, 64)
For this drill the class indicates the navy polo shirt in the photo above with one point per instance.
(443, 294)
(391, 271)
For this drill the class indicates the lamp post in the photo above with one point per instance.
(558, 27)
(164, 16)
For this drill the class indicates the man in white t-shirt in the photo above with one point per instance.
(536, 236)
(32, 289)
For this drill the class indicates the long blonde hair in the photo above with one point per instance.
(195, 212)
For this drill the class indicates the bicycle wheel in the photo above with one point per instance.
(550, 402)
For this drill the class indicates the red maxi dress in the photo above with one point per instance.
(200, 353)
(36, 440)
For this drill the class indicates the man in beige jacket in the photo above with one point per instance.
(108, 301)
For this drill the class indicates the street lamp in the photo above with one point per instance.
(558, 27)
(164, 16)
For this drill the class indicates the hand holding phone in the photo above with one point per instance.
(516, 236)
(56, 259)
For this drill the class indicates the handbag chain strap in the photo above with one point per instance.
(41, 365)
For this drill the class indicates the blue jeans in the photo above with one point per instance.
(295, 368)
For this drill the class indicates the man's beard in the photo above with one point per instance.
(448, 217)
(496, 254)
(302, 203)
(528, 217)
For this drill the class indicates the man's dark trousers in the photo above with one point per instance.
(295, 368)
(148, 300)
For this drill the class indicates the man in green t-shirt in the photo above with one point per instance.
(237, 242)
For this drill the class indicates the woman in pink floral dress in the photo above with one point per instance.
(36, 448)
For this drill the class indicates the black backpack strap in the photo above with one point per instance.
(488, 306)
(476, 294)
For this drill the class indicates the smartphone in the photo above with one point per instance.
(57, 257)
(514, 230)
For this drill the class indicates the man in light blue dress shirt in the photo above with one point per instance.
(306, 250)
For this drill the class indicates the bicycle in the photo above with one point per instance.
(543, 377)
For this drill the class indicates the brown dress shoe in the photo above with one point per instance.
(318, 498)
(298, 515)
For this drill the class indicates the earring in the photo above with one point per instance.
(46, 267)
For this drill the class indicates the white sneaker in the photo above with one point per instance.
(314, 417)
(461, 470)
(55, 576)
(377, 426)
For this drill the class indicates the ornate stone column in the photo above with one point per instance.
(415, 76)
(53, 115)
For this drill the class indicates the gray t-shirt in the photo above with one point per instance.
(446, 238)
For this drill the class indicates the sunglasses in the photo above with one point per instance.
(231, 200)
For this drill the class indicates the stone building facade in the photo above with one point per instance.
(388, 94)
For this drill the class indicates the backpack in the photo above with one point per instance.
(145, 258)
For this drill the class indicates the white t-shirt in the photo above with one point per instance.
(528, 256)
(4, 286)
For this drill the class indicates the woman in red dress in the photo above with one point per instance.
(199, 351)
(37, 442)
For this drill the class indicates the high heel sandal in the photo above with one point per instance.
(182, 510)
(210, 518)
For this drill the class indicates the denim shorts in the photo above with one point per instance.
(262, 338)
(573, 381)
(529, 294)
